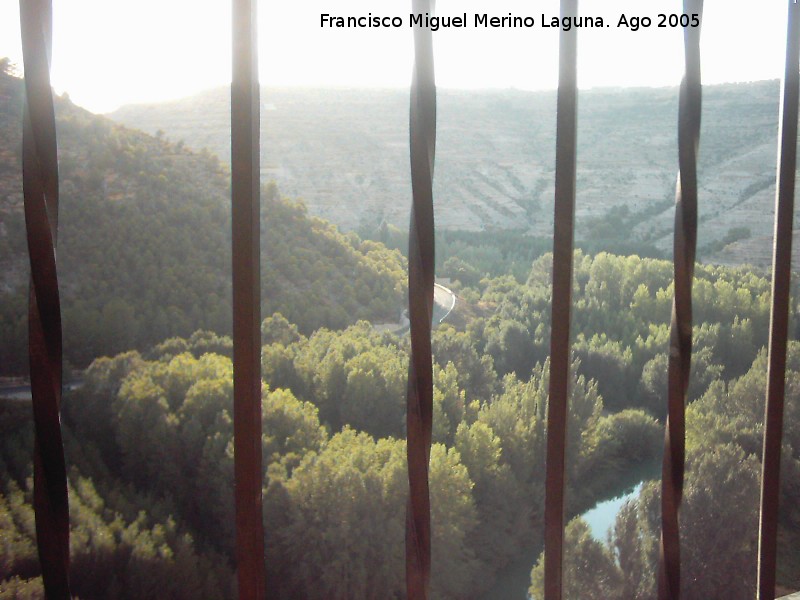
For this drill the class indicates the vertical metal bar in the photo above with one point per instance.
(680, 350)
(245, 175)
(40, 190)
(563, 224)
(779, 321)
(419, 413)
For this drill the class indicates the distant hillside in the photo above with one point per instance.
(144, 246)
(345, 152)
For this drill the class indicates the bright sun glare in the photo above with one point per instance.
(111, 53)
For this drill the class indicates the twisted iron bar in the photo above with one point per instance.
(40, 191)
(246, 255)
(680, 345)
(779, 319)
(419, 412)
(563, 232)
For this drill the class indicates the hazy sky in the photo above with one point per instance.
(108, 52)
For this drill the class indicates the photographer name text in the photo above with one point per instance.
(509, 21)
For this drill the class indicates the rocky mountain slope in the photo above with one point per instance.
(345, 153)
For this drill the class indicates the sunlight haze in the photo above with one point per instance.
(107, 54)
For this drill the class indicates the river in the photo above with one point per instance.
(512, 583)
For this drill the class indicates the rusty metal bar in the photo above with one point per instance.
(245, 182)
(419, 413)
(40, 190)
(779, 321)
(680, 349)
(563, 230)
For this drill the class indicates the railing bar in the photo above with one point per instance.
(40, 191)
(419, 411)
(246, 253)
(779, 319)
(680, 348)
(563, 232)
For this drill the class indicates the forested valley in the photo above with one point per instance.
(148, 431)
(144, 245)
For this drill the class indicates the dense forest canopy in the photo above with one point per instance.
(719, 516)
(160, 426)
(154, 430)
(144, 259)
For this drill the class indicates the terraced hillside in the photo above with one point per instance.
(345, 152)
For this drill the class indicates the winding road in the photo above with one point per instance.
(445, 299)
